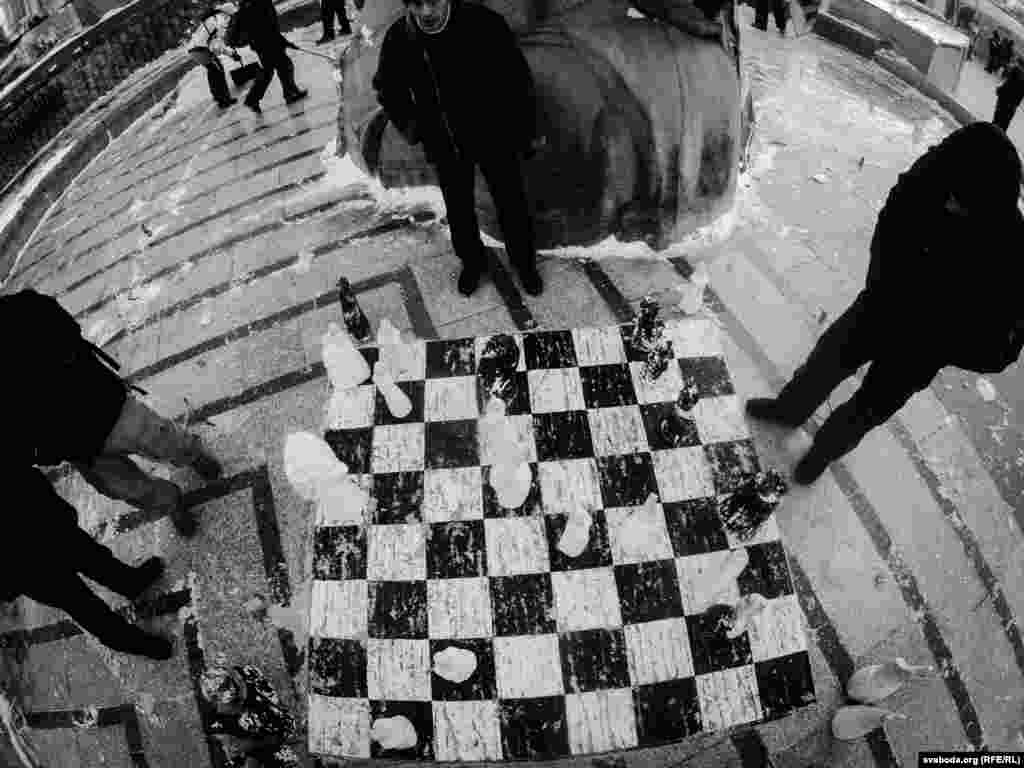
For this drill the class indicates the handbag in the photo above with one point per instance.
(245, 73)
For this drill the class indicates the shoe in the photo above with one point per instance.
(184, 520)
(532, 283)
(325, 39)
(226, 103)
(155, 647)
(810, 467)
(469, 280)
(254, 107)
(768, 409)
(147, 573)
(208, 468)
(297, 96)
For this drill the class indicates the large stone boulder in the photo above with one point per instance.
(645, 117)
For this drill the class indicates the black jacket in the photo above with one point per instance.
(468, 87)
(1012, 88)
(62, 400)
(946, 284)
(262, 25)
(37, 529)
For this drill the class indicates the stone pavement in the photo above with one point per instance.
(203, 248)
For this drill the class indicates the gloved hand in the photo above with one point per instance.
(237, 57)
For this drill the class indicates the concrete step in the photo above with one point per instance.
(848, 34)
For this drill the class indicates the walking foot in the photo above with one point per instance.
(297, 96)
(208, 468)
(811, 467)
(147, 573)
(469, 280)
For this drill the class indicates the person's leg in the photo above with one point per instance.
(326, 20)
(843, 348)
(456, 179)
(344, 26)
(888, 384)
(761, 9)
(504, 176)
(90, 558)
(262, 82)
(218, 81)
(118, 477)
(142, 431)
(1004, 112)
(64, 590)
(780, 8)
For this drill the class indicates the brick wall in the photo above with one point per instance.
(63, 84)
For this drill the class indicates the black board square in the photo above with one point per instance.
(480, 686)
(420, 714)
(666, 712)
(549, 349)
(352, 446)
(399, 497)
(784, 684)
(337, 667)
(534, 729)
(695, 527)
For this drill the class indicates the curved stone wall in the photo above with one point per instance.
(59, 87)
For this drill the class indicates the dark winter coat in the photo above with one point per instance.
(468, 87)
(35, 532)
(1012, 88)
(262, 25)
(946, 294)
(62, 401)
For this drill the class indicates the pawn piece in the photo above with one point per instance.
(855, 721)
(455, 664)
(397, 401)
(394, 732)
(878, 681)
(648, 324)
(744, 511)
(659, 355)
(745, 613)
(346, 367)
(689, 396)
(309, 464)
(511, 483)
(498, 361)
(576, 535)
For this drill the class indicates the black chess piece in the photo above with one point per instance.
(689, 395)
(745, 510)
(498, 361)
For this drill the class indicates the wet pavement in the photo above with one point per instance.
(202, 249)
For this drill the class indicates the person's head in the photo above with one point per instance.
(431, 15)
(986, 172)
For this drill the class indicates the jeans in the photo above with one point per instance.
(273, 59)
(215, 76)
(141, 431)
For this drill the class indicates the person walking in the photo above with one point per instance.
(44, 554)
(328, 10)
(429, 82)
(263, 30)
(925, 306)
(995, 51)
(206, 46)
(1009, 94)
(68, 406)
(778, 8)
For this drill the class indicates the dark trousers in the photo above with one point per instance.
(215, 76)
(61, 587)
(328, 10)
(504, 176)
(777, 7)
(857, 337)
(274, 59)
(1006, 107)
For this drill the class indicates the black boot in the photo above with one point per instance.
(208, 468)
(469, 279)
(146, 574)
(531, 280)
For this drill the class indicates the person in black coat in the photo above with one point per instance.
(778, 8)
(1009, 94)
(452, 77)
(328, 10)
(927, 303)
(265, 39)
(995, 51)
(44, 554)
(68, 406)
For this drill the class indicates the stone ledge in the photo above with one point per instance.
(93, 130)
(848, 34)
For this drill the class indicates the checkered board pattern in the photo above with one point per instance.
(605, 651)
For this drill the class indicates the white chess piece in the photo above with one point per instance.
(712, 586)
(455, 664)
(878, 681)
(309, 462)
(639, 530)
(693, 291)
(853, 722)
(398, 402)
(394, 732)
(746, 611)
(389, 343)
(346, 367)
(510, 475)
(576, 535)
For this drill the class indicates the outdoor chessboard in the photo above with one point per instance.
(606, 651)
